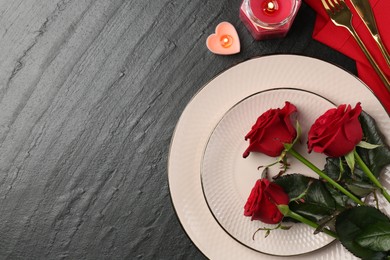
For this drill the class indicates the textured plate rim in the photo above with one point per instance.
(196, 240)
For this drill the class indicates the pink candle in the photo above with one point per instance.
(225, 40)
(269, 18)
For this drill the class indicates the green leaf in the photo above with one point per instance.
(341, 165)
(300, 184)
(338, 170)
(360, 188)
(316, 201)
(342, 200)
(299, 132)
(351, 223)
(366, 145)
(375, 236)
(319, 195)
(377, 158)
(350, 159)
(357, 184)
(334, 169)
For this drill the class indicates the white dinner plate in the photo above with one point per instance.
(228, 178)
(204, 112)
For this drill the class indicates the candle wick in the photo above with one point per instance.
(226, 41)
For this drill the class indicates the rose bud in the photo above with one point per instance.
(271, 130)
(263, 200)
(337, 132)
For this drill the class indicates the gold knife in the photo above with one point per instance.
(364, 10)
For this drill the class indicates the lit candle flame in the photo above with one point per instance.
(226, 41)
(270, 6)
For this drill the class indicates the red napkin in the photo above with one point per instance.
(340, 39)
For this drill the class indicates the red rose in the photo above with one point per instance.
(263, 200)
(272, 129)
(337, 132)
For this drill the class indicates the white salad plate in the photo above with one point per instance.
(228, 178)
(209, 180)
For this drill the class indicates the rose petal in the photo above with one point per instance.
(336, 132)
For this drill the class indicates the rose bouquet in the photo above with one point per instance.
(343, 201)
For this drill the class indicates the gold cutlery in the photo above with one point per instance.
(365, 12)
(340, 15)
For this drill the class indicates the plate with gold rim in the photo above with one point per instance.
(206, 109)
(227, 178)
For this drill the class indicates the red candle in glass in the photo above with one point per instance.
(267, 19)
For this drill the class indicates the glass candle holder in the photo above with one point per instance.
(267, 19)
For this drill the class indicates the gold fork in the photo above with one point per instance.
(364, 10)
(340, 15)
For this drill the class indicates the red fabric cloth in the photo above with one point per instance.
(340, 39)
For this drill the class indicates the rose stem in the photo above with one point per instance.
(371, 176)
(285, 210)
(324, 176)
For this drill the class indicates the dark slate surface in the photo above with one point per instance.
(90, 92)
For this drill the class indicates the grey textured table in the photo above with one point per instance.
(91, 91)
